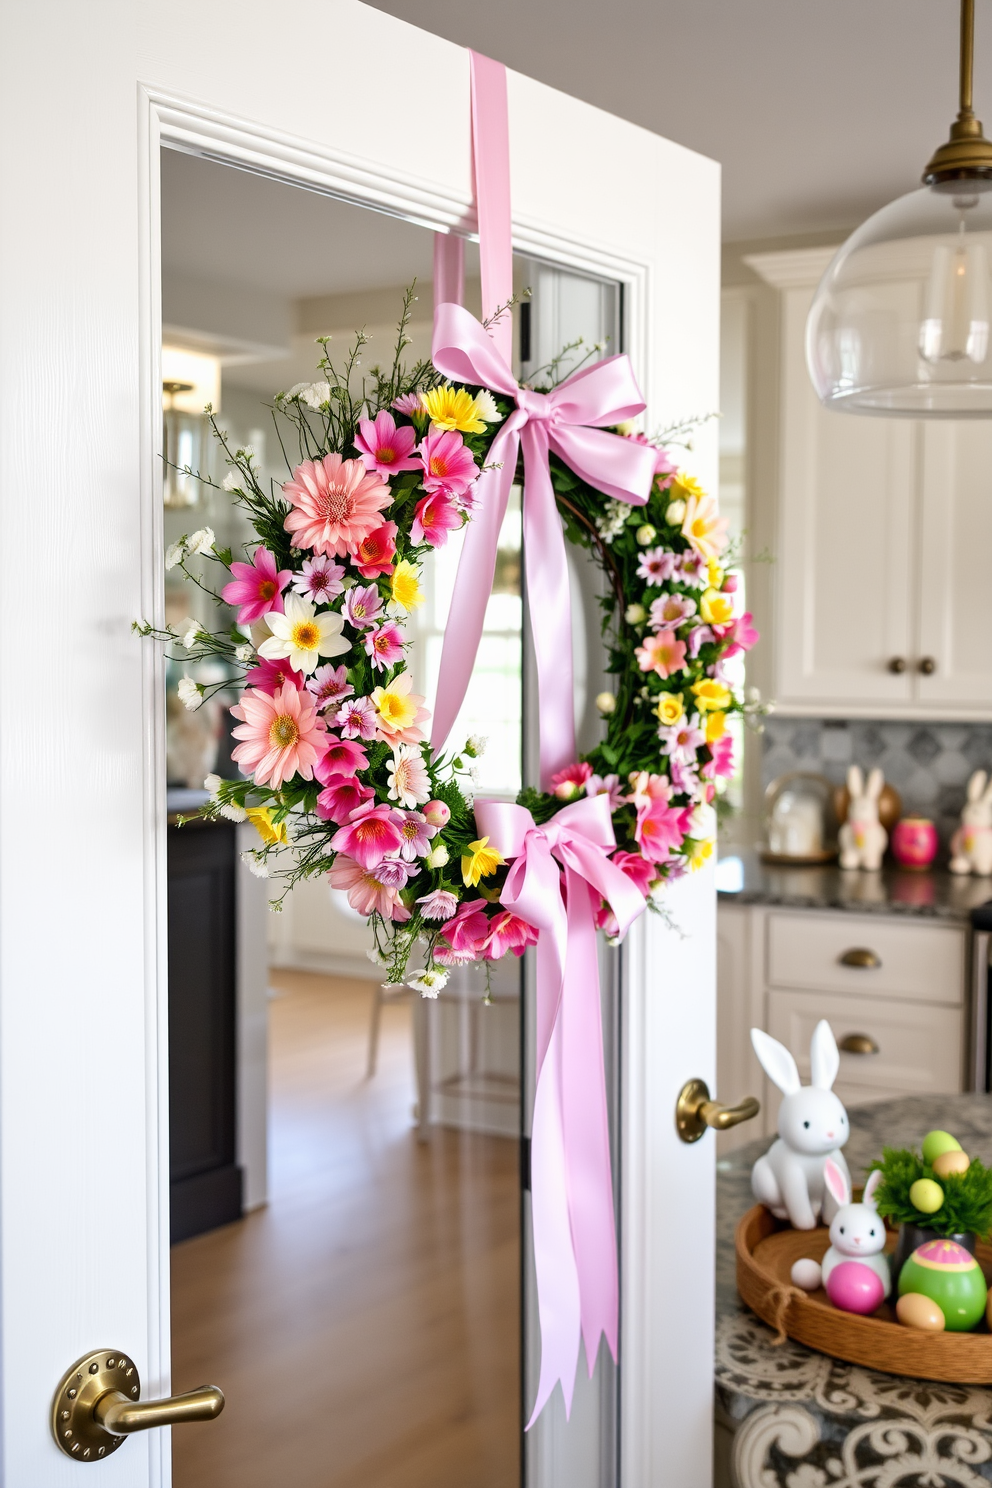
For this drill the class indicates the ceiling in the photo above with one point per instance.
(819, 111)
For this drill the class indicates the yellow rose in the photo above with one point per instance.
(711, 696)
(716, 608)
(670, 708)
(716, 727)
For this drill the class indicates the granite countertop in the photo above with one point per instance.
(743, 878)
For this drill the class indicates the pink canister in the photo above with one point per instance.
(914, 842)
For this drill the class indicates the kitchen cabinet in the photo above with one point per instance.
(882, 577)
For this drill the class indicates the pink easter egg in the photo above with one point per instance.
(855, 1287)
(914, 842)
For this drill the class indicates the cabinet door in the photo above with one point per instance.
(843, 565)
(956, 565)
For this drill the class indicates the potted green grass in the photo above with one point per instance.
(962, 1202)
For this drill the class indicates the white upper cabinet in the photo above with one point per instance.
(882, 577)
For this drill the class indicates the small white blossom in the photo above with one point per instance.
(476, 745)
(316, 395)
(255, 865)
(675, 513)
(230, 481)
(485, 407)
(212, 784)
(202, 540)
(610, 522)
(295, 391)
(635, 614)
(702, 823)
(190, 693)
(244, 652)
(376, 957)
(233, 811)
(427, 983)
(188, 632)
(175, 553)
(438, 857)
(473, 774)
(606, 703)
(248, 453)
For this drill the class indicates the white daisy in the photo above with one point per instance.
(485, 407)
(302, 636)
(190, 693)
(427, 983)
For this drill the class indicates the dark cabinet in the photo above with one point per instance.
(206, 1182)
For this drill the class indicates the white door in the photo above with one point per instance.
(92, 93)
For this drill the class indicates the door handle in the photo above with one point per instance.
(858, 1043)
(862, 957)
(694, 1111)
(98, 1405)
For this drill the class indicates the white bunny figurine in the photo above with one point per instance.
(812, 1126)
(863, 839)
(971, 845)
(857, 1231)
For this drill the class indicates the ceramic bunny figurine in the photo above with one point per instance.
(971, 845)
(812, 1126)
(863, 839)
(857, 1231)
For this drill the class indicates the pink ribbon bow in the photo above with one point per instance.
(575, 1247)
(572, 422)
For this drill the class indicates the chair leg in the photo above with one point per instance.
(377, 1000)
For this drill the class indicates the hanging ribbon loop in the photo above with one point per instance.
(571, 422)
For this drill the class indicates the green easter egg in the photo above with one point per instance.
(946, 1273)
(936, 1142)
(926, 1195)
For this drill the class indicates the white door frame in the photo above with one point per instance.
(72, 1274)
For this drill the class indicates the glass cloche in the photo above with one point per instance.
(800, 821)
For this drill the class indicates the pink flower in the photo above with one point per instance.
(670, 610)
(269, 676)
(683, 739)
(368, 835)
(468, 929)
(730, 583)
(685, 780)
(343, 796)
(657, 565)
(383, 447)
(438, 813)
(357, 719)
(659, 829)
(341, 757)
(662, 653)
(257, 587)
(319, 579)
(445, 956)
(336, 503)
(385, 645)
(362, 606)
(507, 932)
(742, 635)
(433, 519)
(281, 733)
(645, 788)
(393, 873)
(636, 868)
(449, 468)
(609, 785)
(693, 569)
(698, 638)
(607, 920)
(408, 403)
(329, 684)
(723, 755)
(375, 553)
(416, 832)
(365, 892)
(569, 783)
(408, 780)
(438, 904)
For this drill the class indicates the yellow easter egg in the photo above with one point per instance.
(916, 1311)
(926, 1196)
(949, 1163)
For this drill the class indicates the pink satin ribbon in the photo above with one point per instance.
(575, 1248)
(571, 422)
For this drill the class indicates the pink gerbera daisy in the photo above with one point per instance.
(662, 653)
(336, 503)
(660, 829)
(282, 735)
(329, 684)
(257, 587)
(449, 468)
(368, 835)
(340, 757)
(375, 553)
(269, 676)
(433, 519)
(384, 447)
(385, 645)
(365, 892)
(343, 796)
(319, 579)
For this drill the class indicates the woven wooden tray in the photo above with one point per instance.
(766, 1250)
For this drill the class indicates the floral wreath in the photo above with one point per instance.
(337, 773)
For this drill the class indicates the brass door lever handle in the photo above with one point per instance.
(97, 1406)
(695, 1111)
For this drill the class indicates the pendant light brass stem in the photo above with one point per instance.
(967, 154)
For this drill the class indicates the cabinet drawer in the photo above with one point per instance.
(924, 962)
(920, 1048)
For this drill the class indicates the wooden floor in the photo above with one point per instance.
(364, 1326)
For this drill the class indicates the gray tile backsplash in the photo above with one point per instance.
(928, 763)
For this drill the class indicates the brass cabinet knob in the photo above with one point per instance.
(897, 664)
(927, 665)
(97, 1406)
(862, 957)
(694, 1111)
(858, 1043)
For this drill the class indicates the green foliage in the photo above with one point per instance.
(967, 1206)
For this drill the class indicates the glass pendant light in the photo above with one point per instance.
(900, 324)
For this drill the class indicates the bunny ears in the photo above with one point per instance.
(977, 787)
(857, 787)
(839, 1188)
(780, 1067)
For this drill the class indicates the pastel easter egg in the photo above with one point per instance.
(951, 1163)
(916, 1311)
(854, 1287)
(945, 1272)
(806, 1274)
(926, 1195)
(936, 1142)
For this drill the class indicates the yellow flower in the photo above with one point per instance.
(714, 574)
(685, 486)
(480, 861)
(701, 853)
(405, 586)
(711, 696)
(261, 819)
(716, 608)
(703, 527)
(716, 727)
(670, 708)
(453, 408)
(397, 706)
